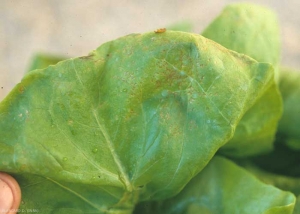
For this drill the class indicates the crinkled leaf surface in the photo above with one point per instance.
(252, 30)
(41, 61)
(289, 125)
(223, 187)
(134, 120)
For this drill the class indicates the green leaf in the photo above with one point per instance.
(286, 183)
(47, 195)
(255, 132)
(134, 120)
(223, 187)
(297, 206)
(251, 30)
(282, 160)
(285, 158)
(40, 61)
(289, 125)
(185, 26)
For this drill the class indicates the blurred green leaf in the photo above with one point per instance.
(41, 61)
(289, 125)
(185, 26)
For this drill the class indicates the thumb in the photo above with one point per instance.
(10, 194)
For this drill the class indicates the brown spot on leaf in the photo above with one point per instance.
(160, 30)
(21, 89)
(87, 57)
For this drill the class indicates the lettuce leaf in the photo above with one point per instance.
(289, 125)
(41, 60)
(282, 160)
(284, 182)
(249, 29)
(223, 187)
(281, 181)
(252, 30)
(134, 120)
(185, 26)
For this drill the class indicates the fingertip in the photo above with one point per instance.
(10, 194)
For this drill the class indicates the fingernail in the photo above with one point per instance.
(6, 197)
